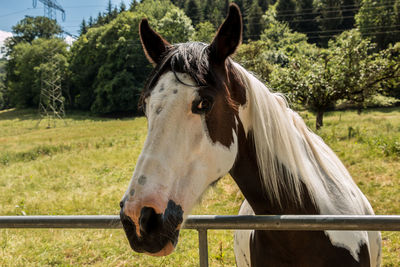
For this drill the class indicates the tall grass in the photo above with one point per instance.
(84, 168)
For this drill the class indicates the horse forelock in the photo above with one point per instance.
(192, 58)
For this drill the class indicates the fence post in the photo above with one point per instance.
(203, 247)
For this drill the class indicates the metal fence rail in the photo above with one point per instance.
(202, 223)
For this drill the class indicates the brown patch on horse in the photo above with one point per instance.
(284, 248)
(229, 35)
(154, 46)
(303, 249)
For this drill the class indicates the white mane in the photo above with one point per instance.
(282, 138)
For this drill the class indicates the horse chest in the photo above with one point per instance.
(295, 248)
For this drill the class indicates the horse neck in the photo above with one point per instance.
(282, 167)
(282, 192)
(247, 176)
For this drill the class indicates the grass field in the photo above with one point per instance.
(84, 168)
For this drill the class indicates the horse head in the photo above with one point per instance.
(191, 103)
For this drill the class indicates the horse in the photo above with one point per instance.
(208, 116)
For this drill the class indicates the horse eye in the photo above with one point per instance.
(202, 106)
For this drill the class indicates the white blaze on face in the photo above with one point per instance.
(179, 159)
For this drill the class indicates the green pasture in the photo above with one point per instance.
(85, 166)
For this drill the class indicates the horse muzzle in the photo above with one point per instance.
(153, 232)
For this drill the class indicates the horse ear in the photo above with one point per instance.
(228, 37)
(154, 45)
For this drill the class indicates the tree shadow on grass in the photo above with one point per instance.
(21, 114)
(32, 114)
(383, 110)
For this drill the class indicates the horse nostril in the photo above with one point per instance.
(149, 220)
(121, 204)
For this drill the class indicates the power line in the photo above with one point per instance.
(334, 35)
(341, 6)
(85, 6)
(366, 28)
(322, 11)
(16, 12)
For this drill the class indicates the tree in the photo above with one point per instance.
(175, 26)
(254, 22)
(278, 43)
(397, 15)
(306, 20)
(329, 20)
(133, 5)
(281, 42)
(122, 7)
(4, 101)
(90, 21)
(263, 4)
(226, 7)
(165, 9)
(253, 56)
(286, 11)
(208, 9)
(25, 56)
(109, 8)
(25, 66)
(205, 32)
(83, 27)
(348, 70)
(100, 20)
(390, 83)
(349, 9)
(378, 21)
(107, 63)
(30, 28)
(192, 10)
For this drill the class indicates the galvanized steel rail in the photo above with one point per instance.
(202, 223)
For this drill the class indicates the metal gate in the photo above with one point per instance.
(202, 223)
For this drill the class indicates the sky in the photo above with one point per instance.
(75, 10)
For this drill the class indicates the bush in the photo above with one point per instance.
(26, 64)
(108, 65)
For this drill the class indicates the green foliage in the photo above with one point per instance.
(349, 8)
(286, 11)
(192, 10)
(380, 21)
(205, 32)
(254, 56)
(347, 70)
(254, 22)
(107, 69)
(31, 28)
(208, 8)
(264, 4)
(175, 26)
(83, 27)
(281, 41)
(278, 43)
(26, 64)
(330, 19)
(391, 86)
(108, 65)
(3, 91)
(306, 20)
(379, 100)
(214, 11)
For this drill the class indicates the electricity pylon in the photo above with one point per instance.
(50, 8)
(51, 105)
